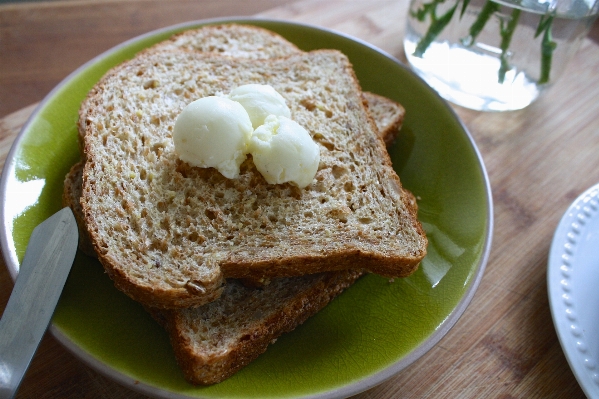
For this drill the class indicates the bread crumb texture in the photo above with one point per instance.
(233, 40)
(214, 341)
(159, 223)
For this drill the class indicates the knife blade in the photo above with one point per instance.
(42, 275)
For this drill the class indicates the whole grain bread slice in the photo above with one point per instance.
(253, 42)
(214, 341)
(233, 40)
(387, 114)
(168, 234)
(243, 41)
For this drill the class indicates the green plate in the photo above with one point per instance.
(369, 333)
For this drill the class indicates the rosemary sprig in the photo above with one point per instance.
(483, 17)
(464, 5)
(547, 46)
(437, 24)
(506, 32)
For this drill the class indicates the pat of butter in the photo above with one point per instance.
(213, 132)
(260, 101)
(283, 151)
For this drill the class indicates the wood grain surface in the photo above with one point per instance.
(538, 159)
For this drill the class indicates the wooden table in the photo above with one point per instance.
(538, 159)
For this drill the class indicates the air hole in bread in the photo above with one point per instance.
(125, 204)
(273, 218)
(338, 171)
(308, 104)
(211, 214)
(348, 186)
(161, 206)
(142, 174)
(195, 237)
(246, 337)
(158, 245)
(365, 220)
(157, 148)
(295, 192)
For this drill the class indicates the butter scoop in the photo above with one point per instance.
(283, 151)
(213, 132)
(260, 101)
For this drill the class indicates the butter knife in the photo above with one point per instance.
(42, 275)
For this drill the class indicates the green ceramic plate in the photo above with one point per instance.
(369, 333)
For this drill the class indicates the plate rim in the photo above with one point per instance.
(556, 289)
(352, 388)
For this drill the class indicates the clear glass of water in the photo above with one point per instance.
(495, 55)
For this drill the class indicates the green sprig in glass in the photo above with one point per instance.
(507, 26)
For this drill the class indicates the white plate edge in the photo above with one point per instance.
(557, 286)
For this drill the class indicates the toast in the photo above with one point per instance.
(387, 114)
(214, 341)
(232, 40)
(236, 41)
(252, 42)
(169, 234)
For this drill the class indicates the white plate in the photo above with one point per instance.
(573, 285)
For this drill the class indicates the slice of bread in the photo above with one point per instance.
(252, 42)
(233, 40)
(387, 114)
(168, 234)
(216, 340)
